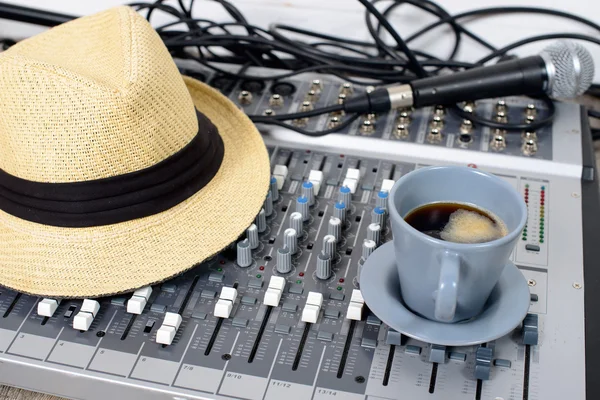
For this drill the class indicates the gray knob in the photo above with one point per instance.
(323, 266)
(374, 233)
(345, 196)
(340, 211)
(252, 236)
(335, 228)
(284, 260)
(296, 223)
(329, 246)
(268, 204)
(261, 221)
(361, 262)
(302, 207)
(382, 199)
(290, 239)
(309, 192)
(244, 254)
(378, 217)
(368, 248)
(274, 189)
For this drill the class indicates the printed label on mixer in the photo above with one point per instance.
(199, 378)
(6, 337)
(328, 394)
(242, 385)
(278, 390)
(32, 346)
(155, 370)
(113, 362)
(74, 354)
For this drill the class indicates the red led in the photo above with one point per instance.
(308, 151)
(542, 202)
(341, 156)
(341, 280)
(301, 274)
(262, 268)
(222, 262)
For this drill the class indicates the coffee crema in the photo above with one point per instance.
(457, 222)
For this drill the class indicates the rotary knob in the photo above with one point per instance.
(268, 204)
(244, 253)
(284, 260)
(323, 266)
(296, 223)
(308, 192)
(374, 233)
(345, 196)
(274, 189)
(368, 248)
(261, 221)
(340, 211)
(252, 236)
(290, 238)
(334, 228)
(329, 246)
(302, 207)
(378, 217)
(382, 199)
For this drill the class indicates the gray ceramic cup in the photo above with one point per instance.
(446, 281)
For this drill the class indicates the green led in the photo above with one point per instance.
(298, 281)
(527, 185)
(543, 187)
(219, 269)
(542, 219)
(259, 276)
(525, 230)
(524, 238)
(541, 240)
(339, 288)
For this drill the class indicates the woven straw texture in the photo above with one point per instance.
(107, 103)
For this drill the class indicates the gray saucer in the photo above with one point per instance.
(504, 311)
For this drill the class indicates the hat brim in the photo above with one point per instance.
(98, 261)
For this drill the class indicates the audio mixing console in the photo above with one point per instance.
(259, 321)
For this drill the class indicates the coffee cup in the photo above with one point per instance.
(443, 280)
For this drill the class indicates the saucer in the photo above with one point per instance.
(504, 311)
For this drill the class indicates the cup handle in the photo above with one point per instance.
(447, 293)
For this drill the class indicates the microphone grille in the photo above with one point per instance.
(570, 69)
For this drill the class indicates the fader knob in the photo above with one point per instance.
(290, 238)
(339, 211)
(244, 253)
(374, 233)
(284, 260)
(252, 236)
(368, 247)
(382, 199)
(261, 221)
(334, 228)
(302, 207)
(329, 246)
(296, 223)
(345, 196)
(378, 217)
(323, 266)
(268, 204)
(308, 191)
(274, 189)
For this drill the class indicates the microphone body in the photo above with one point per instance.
(525, 76)
(562, 70)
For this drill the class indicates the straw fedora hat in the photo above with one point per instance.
(115, 171)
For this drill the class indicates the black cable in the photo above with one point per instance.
(594, 113)
(338, 128)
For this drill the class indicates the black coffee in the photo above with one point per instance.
(456, 222)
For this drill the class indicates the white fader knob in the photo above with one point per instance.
(290, 238)
(83, 320)
(47, 307)
(224, 305)
(274, 291)
(167, 331)
(355, 308)
(138, 300)
(311, 310)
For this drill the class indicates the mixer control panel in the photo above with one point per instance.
(279, 314)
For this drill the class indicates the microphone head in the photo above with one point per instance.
(570, 69)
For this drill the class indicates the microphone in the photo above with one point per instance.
(562, 70)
